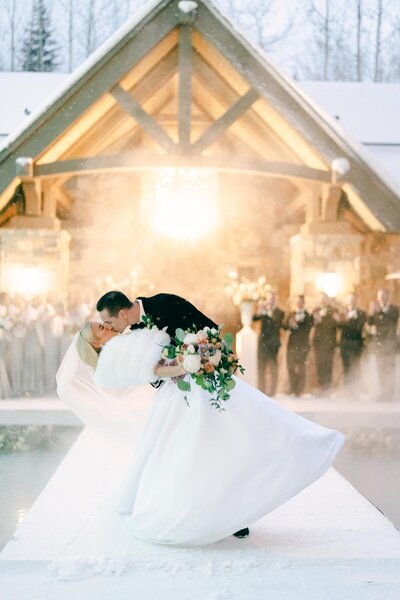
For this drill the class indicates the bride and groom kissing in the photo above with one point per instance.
(197, 475)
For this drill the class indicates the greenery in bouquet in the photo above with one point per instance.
(209, 360)
(242, 289)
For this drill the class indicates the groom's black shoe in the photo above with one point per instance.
(242, 533)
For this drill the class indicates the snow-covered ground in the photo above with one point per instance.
(327, 542)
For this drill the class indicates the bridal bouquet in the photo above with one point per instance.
(208, 358)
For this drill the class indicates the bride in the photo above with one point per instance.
(197, 474)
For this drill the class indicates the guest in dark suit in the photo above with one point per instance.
(351, 344)
(324, 340)
(299, 324)
(384, 318)
(269, 342)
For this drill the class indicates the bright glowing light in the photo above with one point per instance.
(28, 281)
(329, 283)
(185, 203)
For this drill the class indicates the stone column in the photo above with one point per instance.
(34, 261)
(322, 247)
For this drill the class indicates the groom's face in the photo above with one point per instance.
(118, 323)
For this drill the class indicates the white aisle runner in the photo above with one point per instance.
(327, 542)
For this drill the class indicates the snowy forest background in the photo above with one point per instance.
(324, 40)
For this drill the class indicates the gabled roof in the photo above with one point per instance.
(371, 195)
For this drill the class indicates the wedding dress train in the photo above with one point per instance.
(198, 475)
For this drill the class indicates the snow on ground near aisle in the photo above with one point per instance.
(328, 542)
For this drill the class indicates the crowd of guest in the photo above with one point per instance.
(327, 327)
(34, 335)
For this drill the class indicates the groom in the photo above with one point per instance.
(165, 310)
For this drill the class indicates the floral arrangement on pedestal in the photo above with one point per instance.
(243, 289)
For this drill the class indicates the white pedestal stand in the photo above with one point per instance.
(246, 344)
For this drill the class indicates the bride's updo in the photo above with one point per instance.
(84, 345)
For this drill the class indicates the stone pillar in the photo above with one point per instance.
(34, 261)
(322, 247)
(40, 207)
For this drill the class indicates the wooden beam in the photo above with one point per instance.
(185, 85)
(320, 134)
(139, 161)
(146, 121)
(213, 91)
(33, 197)
(114, 124)
(225, 121)
(97, 80)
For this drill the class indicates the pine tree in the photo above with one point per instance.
(39, 50)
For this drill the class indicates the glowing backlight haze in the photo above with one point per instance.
(185, 203)
(329, 283)
(28, 281)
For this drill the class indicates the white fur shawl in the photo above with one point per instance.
(128, 360)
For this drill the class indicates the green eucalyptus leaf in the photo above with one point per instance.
(228, 338)
(180, 334)
(184, 385)
(230, 384)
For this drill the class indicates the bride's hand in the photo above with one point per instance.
(171, 370)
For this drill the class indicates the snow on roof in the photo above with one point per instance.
(21, 93)
(368, 111)
(138, 16)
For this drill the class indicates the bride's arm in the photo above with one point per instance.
(169, 370)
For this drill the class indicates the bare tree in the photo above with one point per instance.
(359, 18)
(257, 19)
(378, 42)
(68, 7)
(13, 11)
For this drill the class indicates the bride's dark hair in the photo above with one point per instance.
(113, 302)
(84, 345)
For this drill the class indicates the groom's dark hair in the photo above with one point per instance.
(113, 302)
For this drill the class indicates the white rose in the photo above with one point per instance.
(190, 349)
(190, 338)
(215, 358)
(213, 330)
(192, 363)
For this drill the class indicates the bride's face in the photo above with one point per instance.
(101, 333)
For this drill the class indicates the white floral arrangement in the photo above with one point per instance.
(242, 289)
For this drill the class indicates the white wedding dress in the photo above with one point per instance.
(197, 474)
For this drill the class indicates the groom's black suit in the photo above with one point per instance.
(173, 311)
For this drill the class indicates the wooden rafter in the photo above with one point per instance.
(219, 126)
(139, 161)
(185, 85)
(144, 119)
